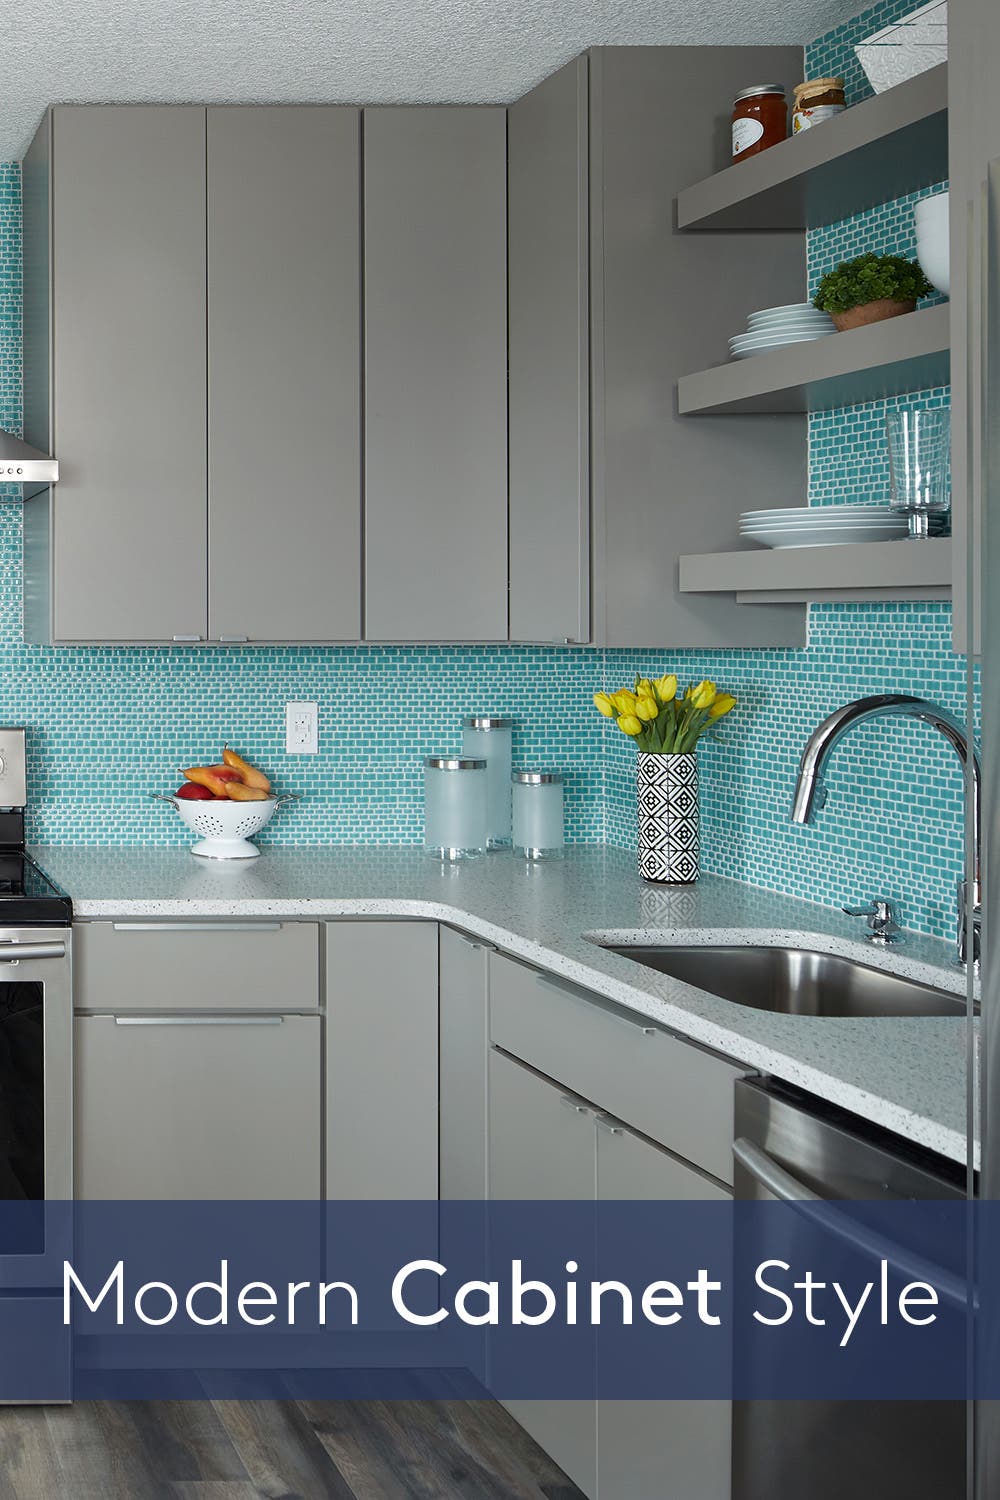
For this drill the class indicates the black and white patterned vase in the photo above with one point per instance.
(667, 788)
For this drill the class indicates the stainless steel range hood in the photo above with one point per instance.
(22, 464)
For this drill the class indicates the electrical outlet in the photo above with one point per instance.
(301, 728)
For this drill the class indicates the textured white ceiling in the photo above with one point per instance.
(358, 51)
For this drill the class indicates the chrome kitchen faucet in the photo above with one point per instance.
(810, 793)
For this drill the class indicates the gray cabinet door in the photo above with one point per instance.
(973, 142)
(663, 305)
(129, 384)
(463, 1051)
(284, 373)
(542, 1146)
(381, 1060)
(657, 1448)
(547, 163)
(197, 1107)
(435, 374)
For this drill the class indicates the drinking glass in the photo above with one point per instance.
(919, 472)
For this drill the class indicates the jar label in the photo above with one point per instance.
(746, 133)
(803, 119)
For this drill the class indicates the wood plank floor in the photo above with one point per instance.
(273, 1450)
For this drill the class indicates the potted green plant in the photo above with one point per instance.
(870, 288)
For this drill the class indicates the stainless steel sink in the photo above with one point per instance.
(795, 981)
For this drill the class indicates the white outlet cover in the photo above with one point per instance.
(301, 728)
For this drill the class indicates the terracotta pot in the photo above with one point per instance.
(871, 312)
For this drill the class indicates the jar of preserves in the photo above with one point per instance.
(760, 119)
(816, 101)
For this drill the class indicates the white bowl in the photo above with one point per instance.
(825, 536)
(225, 828)
(931, 218)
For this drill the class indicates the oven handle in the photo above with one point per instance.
(788, 1189)
(11, 952)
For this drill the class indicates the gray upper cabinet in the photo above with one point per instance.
(435, 374)
(549, 418)
(116, 550)
(284, 374)
(663, 304)
(974, 141)
(610, 306)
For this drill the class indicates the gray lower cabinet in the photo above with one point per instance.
(587, 1101)
(542, 1146)
(284, 373)
(657, 1448)
(115, 373)
(381, 1060)
(549, 354)
(173, 1106)
(435, 374)
(463, 1050)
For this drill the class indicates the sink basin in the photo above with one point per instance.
(795, 981)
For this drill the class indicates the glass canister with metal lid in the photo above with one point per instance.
(760, 119)
(454, 806)
(538, 814)
(490, 736)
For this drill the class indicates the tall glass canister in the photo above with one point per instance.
(455, 802)
(489, 736)
(538, 814)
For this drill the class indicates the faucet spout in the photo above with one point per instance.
(809, 783)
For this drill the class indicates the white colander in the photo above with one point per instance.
(225, 828)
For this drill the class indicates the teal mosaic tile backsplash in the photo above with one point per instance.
(107, 726)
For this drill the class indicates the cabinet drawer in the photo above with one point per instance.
(177, 1106)
(196, 965)
(669, 1089)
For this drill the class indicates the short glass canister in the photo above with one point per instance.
(665, 726)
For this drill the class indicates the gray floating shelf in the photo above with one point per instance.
(864, 364)
(881, 149)
(856, 571)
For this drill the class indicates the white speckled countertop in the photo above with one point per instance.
(906, 1074)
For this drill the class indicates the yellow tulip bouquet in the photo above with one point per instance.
(659, 720)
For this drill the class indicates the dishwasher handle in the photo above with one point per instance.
(788, 1189)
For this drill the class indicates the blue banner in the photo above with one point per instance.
(567, 1300)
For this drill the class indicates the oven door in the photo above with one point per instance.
(36, 1105)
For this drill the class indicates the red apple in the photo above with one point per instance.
(191, 792)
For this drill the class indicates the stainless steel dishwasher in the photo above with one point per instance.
(791, 1146)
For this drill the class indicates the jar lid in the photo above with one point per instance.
(486, 721)
(536, 778)
(818, 86)
(760, 88)
(454, 763)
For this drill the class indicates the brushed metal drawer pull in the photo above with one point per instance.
(609, 1125)
(574, 1104)
(196, 926)
(199, 1020)
(564, 987)
(185, 639)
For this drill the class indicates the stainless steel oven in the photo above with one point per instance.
(36, 1091)
(791, 1147)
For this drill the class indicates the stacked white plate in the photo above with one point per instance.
(822, 525)
(777, 327)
